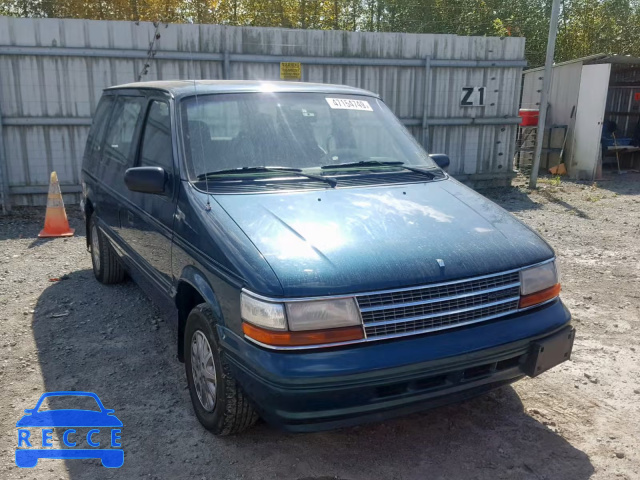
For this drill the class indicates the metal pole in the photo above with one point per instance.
(4, 171)
(544, 97)
(427, 97)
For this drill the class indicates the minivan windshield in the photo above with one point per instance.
(322, 132)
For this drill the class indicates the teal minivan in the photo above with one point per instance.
(324, 270)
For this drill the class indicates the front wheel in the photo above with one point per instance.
(218, 400)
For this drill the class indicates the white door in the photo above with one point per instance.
(592, 98)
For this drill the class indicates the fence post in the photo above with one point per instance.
(226, 66)
(544, 97)
(4, 171)
(425, 110)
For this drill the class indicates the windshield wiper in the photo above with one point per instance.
(374, 163)
(247, 170)
(296, 171)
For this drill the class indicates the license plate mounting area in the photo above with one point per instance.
(549, 352)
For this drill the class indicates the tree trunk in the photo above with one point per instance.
(134, 13)
(303, 14)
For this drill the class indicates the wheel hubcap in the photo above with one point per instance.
(95, 247)
(203, 370)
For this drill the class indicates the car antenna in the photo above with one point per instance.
(207, 207)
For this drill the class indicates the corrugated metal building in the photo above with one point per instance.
(457, 95)
(585, 93)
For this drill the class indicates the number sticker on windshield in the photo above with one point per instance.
(348, 104)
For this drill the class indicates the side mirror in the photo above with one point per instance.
(145, 179)
(441, 159)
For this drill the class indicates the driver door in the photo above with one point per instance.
(147, 219)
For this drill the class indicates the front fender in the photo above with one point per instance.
(196, 279)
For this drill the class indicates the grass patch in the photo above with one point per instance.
(553, 181)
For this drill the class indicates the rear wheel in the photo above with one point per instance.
(106, 265)
(218, 400)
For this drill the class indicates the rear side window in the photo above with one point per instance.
(156, 150)
(119, 143)
(100, 121)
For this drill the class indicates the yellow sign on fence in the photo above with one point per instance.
(290, 70)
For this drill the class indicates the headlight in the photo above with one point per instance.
(320, 314)
(538, 284)
(262, 314)
(308, 323)
(538, 278)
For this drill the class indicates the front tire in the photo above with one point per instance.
(218, 400)
(106, 265)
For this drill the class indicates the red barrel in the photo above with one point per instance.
(529, 117)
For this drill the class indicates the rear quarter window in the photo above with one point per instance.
(119, 145)
(96, 132)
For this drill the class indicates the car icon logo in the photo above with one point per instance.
(35, 430)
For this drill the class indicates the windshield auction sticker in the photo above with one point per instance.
(349, 104)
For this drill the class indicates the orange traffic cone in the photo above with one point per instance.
(55, 220)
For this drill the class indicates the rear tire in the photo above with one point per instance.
(106, 265)
(218, 400)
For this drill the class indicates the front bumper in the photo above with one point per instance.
(371, 382)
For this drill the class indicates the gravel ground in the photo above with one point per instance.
(578, 421)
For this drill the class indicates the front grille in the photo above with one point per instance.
(429, 308)
(438, 291)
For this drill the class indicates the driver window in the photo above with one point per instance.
(156, 149)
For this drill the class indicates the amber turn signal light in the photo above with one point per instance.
(540, 297)
(304, 338)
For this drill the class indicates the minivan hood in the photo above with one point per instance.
(339, 241)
